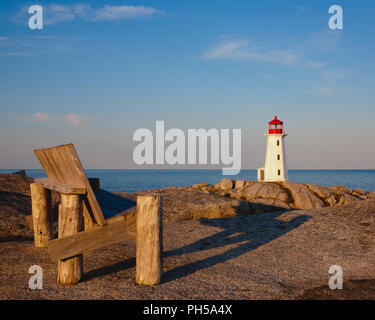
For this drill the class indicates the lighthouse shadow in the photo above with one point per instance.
(239, 234)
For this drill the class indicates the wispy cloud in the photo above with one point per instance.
(241, 50)
(56, 13)
(41, 117)
(70, 119)
(123, 12)
(326, 40)
(77, 121)
(329, 83)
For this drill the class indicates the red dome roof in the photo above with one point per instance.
(275, 121)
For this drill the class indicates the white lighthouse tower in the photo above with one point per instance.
(275, 168)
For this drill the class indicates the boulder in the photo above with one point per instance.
(360, 191)
(331, 201)
(320, 191)
(226, 184)
(265, 190)
(303, 197)
(251, 192)
(341, 188)
(249, 183)
(239, 184)
(346, 198)
(326, 194)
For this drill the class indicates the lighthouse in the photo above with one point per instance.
(275, 168)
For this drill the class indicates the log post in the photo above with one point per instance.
(70, 222)
(41, 215)
(149, 240)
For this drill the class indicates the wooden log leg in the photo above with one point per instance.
(41, 215)
(149, 240)
(70, 222)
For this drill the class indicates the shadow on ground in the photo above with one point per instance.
(248, 232)
(242, 234)
(112, 204)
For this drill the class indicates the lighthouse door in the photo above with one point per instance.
(261, 175)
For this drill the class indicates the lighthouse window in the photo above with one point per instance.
(278, 172)
(278, 157)
(278, 142)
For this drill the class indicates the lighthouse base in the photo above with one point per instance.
(264, 177)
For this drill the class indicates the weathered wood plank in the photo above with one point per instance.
(149, 240)
(95, 238)
(73, 177)
(60, 187)
(99, 217)
(70, 271)
(62, 164)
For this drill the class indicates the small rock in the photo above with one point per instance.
(226, 184)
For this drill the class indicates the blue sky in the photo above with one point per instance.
(100, 70)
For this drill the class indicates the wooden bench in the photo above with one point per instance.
(83, 227)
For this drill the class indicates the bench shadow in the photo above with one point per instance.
(112, 204)
(107, 270)
(245, 233)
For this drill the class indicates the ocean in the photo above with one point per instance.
(136, 180)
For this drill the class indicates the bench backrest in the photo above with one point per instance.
(62, 165)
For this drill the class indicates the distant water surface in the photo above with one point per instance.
(135, 180)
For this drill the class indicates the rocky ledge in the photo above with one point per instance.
(288, 195)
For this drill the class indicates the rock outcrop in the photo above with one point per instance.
(287, 195)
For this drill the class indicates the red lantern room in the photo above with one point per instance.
(275, 126)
